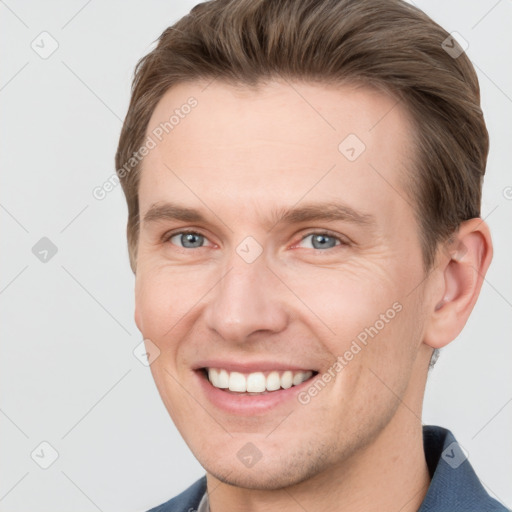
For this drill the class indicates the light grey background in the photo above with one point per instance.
(68, 374)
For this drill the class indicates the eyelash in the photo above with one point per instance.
(342, 242)
(167, 238)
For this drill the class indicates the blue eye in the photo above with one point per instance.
(322, 241)
(315, 240)
(188, 240)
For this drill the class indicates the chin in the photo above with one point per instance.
(260, 479)
(269, 474)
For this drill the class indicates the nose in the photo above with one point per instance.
(246, 301)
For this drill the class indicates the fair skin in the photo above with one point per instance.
(240, 159)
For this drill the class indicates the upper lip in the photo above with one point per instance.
(250, 367)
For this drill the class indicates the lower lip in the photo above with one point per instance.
(245, 404)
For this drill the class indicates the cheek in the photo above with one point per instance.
(367, 322)
(179, 404)
(164, 296)
(345, 301)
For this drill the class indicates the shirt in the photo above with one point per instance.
(454, 486)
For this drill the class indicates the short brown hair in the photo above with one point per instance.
(387, 44)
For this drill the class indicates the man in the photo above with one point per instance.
(303, 181)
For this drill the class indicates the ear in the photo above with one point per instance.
(462, 265)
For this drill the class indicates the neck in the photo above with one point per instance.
(388, 474)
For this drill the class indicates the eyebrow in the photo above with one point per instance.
(170, 211)
(329, 211)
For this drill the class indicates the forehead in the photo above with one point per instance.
(277, 145)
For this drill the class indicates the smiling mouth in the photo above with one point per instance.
(256, 383)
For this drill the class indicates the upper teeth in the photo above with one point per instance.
(256, 382)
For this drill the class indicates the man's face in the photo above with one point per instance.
(304, 251)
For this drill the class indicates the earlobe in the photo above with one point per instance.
(463, 265)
